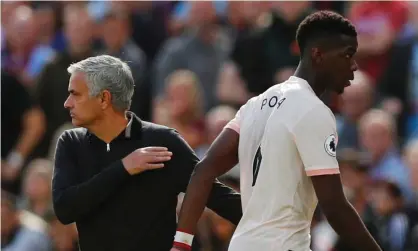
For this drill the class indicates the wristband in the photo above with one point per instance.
(183, 240)
(15, 159)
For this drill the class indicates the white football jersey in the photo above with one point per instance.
(286, 135)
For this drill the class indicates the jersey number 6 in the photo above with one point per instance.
(256, 164)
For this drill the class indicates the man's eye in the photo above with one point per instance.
(348, 56)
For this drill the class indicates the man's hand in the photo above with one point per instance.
(147, 158)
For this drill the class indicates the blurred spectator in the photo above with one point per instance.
(394, 221)
(355, 101)
(245, 18)
(47, 15)
(183, 9)
(216, 120)
(52, 86)
(378, 137)
(378, 23)
(241, 14)
(198, 50)
(150, 25)
(400, 82)
(116, 36)
(22, 127)
(182, 107)
(248, 53)
(63, 237)
(23, 55)
(284, 51)
(180, 20)
(116, 32)
(231, 88)
(37, 187)
(14, 234)
(266, 53)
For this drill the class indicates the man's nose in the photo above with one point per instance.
(67, 103)
(354, 66)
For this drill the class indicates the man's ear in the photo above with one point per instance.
(106, 99)
(316, 55)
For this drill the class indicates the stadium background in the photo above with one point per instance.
(194, 64)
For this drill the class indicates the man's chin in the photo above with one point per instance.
(76, 122)
(340, 91)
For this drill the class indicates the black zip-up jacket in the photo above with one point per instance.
(115, 211)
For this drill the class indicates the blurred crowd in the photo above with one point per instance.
(194, 65)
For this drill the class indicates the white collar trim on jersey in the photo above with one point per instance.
(302, 82)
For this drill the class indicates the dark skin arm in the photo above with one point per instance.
(340, 214)
(221, 157)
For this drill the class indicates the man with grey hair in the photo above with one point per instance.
(378, 135)
(16, 233)
(109, 179)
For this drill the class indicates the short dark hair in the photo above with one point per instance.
(320, 24)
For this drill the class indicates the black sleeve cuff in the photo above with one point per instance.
(117, 170)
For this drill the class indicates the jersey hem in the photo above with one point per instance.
(323, 171)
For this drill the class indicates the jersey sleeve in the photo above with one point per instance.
(316, 139)
(235, 123)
